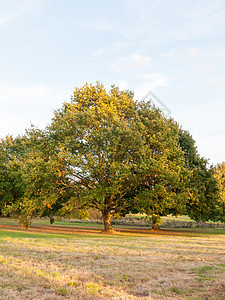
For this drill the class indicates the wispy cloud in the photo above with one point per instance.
(22, 104)
(132, 62)
(5, 20)
(190, 53)
(150, 82)
(122, 84)
(182, 21)
(99, 24)
(10, 11)
(21, 94)
(219, 82)
(113, 48)
(205, 67)
(206, 123)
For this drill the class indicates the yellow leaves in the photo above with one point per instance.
(48, 205)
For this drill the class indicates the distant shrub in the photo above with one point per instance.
(94, 214)
(186, 224)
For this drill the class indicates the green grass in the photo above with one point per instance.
(203, 273)
(92, 225)
(22, 234)
(201, 231)
(40, 235)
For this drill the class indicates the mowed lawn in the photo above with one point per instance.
(72, 263)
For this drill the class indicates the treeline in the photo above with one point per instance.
(104, 150)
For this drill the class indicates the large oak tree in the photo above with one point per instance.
(112, 146)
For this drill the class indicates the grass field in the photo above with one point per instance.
(71, 262)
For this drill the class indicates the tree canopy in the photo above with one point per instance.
(11, 156)
(203, 201)
(219, 170)
(105, 150)
(112, 146)
(31, 177)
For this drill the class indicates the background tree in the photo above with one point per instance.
(162, 189)
(203, 201)
(31, 177)
(12, 153)
(219, 173)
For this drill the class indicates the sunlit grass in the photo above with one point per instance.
(178, 265)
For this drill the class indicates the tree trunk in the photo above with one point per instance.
(107, 222)
(155, 225)
(52, 220)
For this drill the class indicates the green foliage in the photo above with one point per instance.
(32, 177)
(12, 154)
(97, 136)
(116, 148)
(154, 219)
(104, 150)
(203, 201)
(219, 173)
(162, 189)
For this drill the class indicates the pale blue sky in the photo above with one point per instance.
(174, 48)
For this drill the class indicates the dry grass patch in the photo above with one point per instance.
(112, 267)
